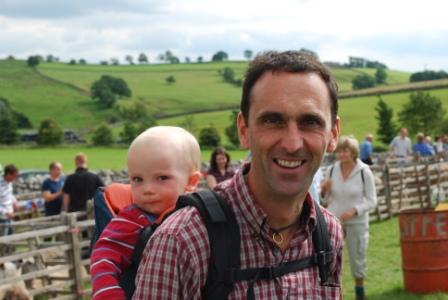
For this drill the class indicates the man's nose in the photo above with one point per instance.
(292, 138)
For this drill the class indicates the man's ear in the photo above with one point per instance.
(242, 131)
(193, 182)
(334, 136)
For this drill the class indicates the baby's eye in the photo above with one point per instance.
(162, 178)
(136, 179)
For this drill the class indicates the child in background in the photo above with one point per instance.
(163, 163)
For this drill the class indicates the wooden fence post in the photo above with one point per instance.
(387, 191)
(74, 255)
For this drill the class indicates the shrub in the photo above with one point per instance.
(49, 133)
(102, 136)
(209, 137)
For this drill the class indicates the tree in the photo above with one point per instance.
(363, 81)
(102, 136)
(8, 123)
(209, 137)
(82, 61)
(170, 79)
(423, 113)
(104, 63)
(228, 74)
(107, 89)
(189, 123)
(129, 59)
(129, 133)
(380, 76)
(142, 58)
(200, 59)
(49, 133)
(310, 53)
(187, 60)
(386, 127)
(220, 56)
(114, 61)
(232, 130)
(427, 75)
(72, 61)
(248, 54)
(50, 58)
(33, 61)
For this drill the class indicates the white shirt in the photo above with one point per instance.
(352, 192)
(401, 147)
(7, 199)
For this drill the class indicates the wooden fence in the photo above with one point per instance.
(414, 185)
(52, 248)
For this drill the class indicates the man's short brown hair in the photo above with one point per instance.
(292, 62)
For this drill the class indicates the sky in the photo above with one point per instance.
(406, 35)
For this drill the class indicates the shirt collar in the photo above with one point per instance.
(254, 215)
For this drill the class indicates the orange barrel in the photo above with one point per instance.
(424, 250)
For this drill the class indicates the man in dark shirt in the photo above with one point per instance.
(80, 186)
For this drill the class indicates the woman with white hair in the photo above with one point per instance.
(349, 191)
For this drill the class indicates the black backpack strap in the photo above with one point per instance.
(322, 246)
(127, 280)
(224, 239)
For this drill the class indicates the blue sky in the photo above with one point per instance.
(406, 35)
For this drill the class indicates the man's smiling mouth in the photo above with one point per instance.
(291, 164)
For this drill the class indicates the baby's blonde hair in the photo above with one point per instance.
(171, 136)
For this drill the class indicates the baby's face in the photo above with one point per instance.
(157, 179)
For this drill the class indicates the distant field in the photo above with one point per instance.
(98, 158)
(357, 114)
(39, 98)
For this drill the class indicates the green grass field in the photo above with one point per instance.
(384, 275)
(98, 158)
(61, 91)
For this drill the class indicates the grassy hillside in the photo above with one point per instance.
(39, 97)
(357, 114)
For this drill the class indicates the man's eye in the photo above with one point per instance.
(136, 179)
(274, 120)
(311, 122)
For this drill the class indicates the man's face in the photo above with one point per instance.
(10, 177)
(289, 130)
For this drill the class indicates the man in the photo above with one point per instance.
(288, 120)
(8, 203)
(401, 145)
(422, 148)
(366, 150)
(52, 190)
(80, 186)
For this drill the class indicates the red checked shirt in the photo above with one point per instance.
(113, 252)
(175, 261)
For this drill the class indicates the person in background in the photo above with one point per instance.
(401, 146)
(366, 150)
(80, 186)
(220, 169)
(421, 147)
(52, 190)
(349, 190)
(8, 203)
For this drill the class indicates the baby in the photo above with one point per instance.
(163, 163)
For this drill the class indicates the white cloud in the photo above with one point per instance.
(403, 34)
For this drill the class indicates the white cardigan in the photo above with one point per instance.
(352, 192)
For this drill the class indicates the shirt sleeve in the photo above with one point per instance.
(45, 186)
(369, 193)
(111, 255)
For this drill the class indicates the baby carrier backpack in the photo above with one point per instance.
(224, 239)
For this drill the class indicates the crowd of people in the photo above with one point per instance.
(288, 121)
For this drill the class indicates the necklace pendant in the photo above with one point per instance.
(277, 237)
